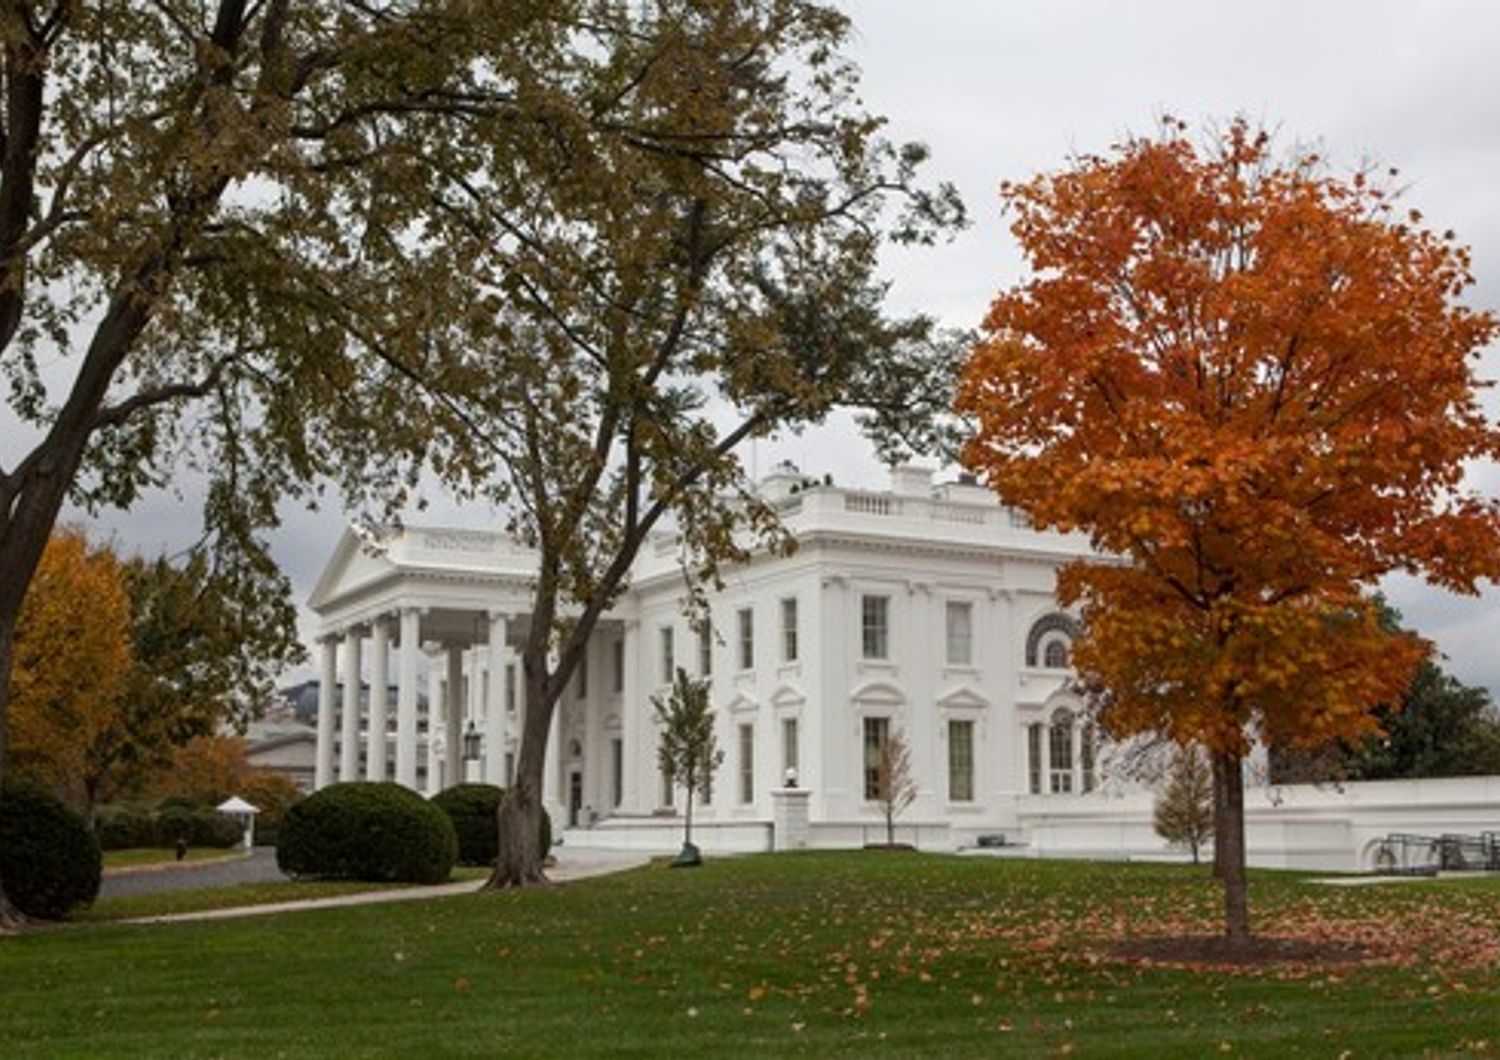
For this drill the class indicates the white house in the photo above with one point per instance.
(927, 610)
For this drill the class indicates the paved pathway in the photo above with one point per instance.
(572, 864)
(259, 867)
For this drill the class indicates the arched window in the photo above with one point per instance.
(1060, 752)
(1055, 654)
(1056, 623)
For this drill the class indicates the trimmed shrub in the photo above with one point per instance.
(49, 859)
(121, 828)
(367, 830)
(197, 827)
(472, 809)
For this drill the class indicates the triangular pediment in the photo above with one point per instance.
(787, 696)
(354, 564)
(964, 697)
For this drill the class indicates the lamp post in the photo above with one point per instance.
(472, 740)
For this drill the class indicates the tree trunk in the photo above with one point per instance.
(1230, 839)
(890, 826)
(519, 819)
(1221, 850)
(687, 831)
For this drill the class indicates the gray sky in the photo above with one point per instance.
(1003, 89)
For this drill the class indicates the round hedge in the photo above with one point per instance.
(49, 860)
(366, 830)
(472, 809)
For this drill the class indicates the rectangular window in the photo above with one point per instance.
(706, 651)
(668, 663)
(747, 639)
(1086, 757)
(877, 731)
(583, 677)
(617, 772)
(668, 784)
(960, 633)
(510, 689)
(790, 770)
(619, 666)
(875, 613)
(789, 629)
(747, 763)
(510, 768)
(961, 761)
(1060, 756)
(1034, 757)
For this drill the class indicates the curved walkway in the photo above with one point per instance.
(258, 867)
(571, 865)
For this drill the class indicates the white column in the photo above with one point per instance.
(406, 698)
(434, 724)
(453, 706)
(494, 708)
(551, 797)
(327, 685)
(349, 731)
(380, 671)
(634, 749)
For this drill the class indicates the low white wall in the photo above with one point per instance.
(1298, 826)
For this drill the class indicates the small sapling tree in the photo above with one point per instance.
(1185, 807)
(895, 788)
(688, 750)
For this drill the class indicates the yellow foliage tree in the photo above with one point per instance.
(71, 665)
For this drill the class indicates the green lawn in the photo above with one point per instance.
(811, 954)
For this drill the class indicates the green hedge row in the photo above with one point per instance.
(125, 829)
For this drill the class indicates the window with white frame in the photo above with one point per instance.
(1060, 752)
(876, 732)
(960, 632)
(1034, 757)
(747, 763)
(616, 771)
(668, 788)
(619, 665)
(1055, 653)
(961, 761)
(875, 626)
(789, 752)
(789, 629)
(747, 638)
(705, 650)
(510, 689)
(1086, 755)
(668, 661)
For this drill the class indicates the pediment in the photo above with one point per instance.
(878, 692)
(353, 565)
(964, 697)
(787, 696)
(742, 704)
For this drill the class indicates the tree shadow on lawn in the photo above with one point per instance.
(1257, 952)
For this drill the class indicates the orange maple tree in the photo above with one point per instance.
(71, 664)
(1253, 382)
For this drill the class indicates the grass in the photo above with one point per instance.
(140, 857)
(195, 900)
(804, 954)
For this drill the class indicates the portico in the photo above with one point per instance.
(449, 604)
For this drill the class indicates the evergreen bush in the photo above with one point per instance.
(472, 808)
(367, 830)
(49, 859)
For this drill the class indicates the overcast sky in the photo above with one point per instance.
(1004, 89)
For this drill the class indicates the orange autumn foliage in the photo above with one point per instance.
(1254, 383)
(72, 661)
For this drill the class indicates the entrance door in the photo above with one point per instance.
(575, 797)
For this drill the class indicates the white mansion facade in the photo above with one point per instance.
(927, 610)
